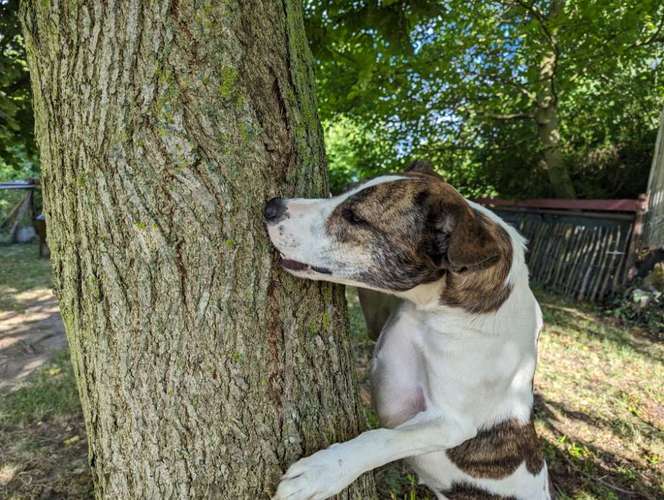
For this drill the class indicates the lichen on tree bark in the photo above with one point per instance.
(163, 127)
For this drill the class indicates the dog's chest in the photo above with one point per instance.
(449, 368)
(458, 369)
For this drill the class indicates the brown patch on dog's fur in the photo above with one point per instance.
(484, 290)
(386, 220)
(497, 452)
(423, 167)
(420, 230)
(462, 491)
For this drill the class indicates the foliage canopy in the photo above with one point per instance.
(460, 82)
(17, 146)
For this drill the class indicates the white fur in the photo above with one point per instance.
(472, 370)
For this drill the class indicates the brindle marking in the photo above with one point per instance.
(384, 219)
(463, 491)
(420, 230)
(497, 452)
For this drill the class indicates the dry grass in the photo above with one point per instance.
(600, 405)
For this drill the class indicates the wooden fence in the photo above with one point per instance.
(580, 248)
(23, 214)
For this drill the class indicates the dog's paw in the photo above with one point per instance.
(316, 477)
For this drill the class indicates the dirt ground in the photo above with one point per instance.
(29, 336)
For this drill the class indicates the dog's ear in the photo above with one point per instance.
(472, 245)
(457, 238)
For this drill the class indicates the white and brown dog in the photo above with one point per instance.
(453, 369)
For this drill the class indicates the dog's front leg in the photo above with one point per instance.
(328, 471)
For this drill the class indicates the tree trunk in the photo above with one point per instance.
(163, 127)
(546, 113)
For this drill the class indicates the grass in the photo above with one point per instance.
(42, 437)
(21, 273)
(51, 392)
(599, 406)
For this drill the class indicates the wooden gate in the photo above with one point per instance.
(579, 248)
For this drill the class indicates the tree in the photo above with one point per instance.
(17, 147)
(163, 127)
(515, 96)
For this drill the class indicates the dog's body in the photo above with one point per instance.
(453, 367)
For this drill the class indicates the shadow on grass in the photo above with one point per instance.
(580, 469)
(581, 322)
(42, 437)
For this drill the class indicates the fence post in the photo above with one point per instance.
(635, 240)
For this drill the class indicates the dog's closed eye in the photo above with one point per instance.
(351, 216)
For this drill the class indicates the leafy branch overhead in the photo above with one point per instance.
(17, 145)
(517, 96)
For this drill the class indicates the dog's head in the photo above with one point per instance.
(394, 233)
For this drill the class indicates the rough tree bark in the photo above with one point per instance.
(546, 112)
(163, 127)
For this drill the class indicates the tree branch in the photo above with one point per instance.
(653, 38)
(508, 116)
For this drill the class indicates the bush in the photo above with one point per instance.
(643, 303)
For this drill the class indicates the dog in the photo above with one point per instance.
(452, 372)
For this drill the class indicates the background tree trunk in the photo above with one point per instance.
(546, 112)
(203, 369)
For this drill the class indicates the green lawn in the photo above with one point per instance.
(21, 272)
(599, 406)
(42, 438)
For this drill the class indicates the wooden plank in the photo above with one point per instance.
(621, 216)
(583, 262)
(596, 277)
(603, 265)
(620, 205)
(614, 254)
(540, 250)
(576, 259)
(565, 257)
(533, 244)
(590, 268)
(554, 260)
(617, 254)
(617, 281)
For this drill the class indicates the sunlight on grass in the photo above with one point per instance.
(51, 391)
(20, 272)
(7, 473)
(600, 404)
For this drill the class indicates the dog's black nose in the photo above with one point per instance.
(274, 210)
